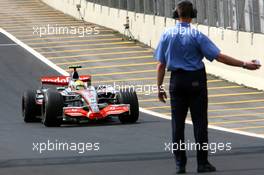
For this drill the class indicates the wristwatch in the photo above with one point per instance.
(244, 65)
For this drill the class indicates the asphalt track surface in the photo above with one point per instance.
(111, 60)
(124, 149)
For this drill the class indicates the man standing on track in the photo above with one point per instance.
(181, 50)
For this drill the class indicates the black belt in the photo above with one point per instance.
(187, 71)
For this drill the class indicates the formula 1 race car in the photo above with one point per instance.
(76, 100)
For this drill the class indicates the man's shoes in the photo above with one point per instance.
(206, 168)
(180, 169)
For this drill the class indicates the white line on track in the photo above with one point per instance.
(35, 53)
(4, 45)
(209, 126)
(63, 72)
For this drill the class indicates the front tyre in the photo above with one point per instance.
(52, 109)
(129, 96)
(29, 106)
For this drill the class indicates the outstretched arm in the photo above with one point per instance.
(252, 65)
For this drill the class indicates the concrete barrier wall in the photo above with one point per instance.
(148, 29)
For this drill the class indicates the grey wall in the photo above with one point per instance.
(244, 15)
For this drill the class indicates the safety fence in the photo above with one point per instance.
(243, 15)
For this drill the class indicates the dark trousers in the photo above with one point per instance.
(188, 90)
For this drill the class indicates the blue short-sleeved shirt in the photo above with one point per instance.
(182, 47)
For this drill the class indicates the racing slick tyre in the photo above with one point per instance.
(29, 106)
(129, 96)
(52, 109)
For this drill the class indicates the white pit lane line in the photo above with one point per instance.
(155, 114)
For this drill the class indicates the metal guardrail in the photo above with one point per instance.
(243, 15)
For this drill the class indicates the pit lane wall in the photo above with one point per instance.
(148, 29)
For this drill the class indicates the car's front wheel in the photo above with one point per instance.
(52, 109)
(129, 96)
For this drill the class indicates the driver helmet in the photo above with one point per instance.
(78, 85)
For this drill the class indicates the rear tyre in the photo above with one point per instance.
(52, 109)
(129, 96)
(29, 106)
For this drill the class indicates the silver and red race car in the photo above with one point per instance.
(69, 104)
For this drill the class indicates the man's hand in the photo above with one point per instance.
(162, 95)
(252, 65)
